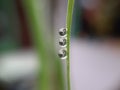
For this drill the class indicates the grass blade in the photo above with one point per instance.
(36, 18)
(68, 26)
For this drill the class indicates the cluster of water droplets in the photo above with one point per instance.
(63, 43)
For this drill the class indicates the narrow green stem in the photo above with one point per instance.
(35, 18)
(48, 58)
(68, 26)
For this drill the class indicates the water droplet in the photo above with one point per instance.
(63, 42)
(62, 54)
(62, 32)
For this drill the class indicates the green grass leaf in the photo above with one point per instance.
(68, 26)
(35, 13)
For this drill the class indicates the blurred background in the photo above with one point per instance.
(95, 45)
(94, 49)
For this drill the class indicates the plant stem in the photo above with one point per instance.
(36, 17)
(68, 26)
